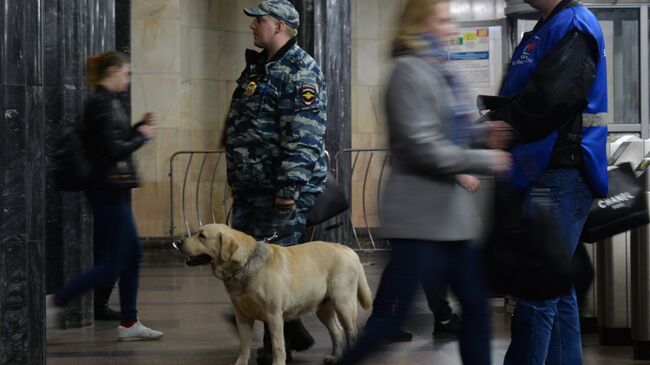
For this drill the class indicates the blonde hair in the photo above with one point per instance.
(291, 32)
(97, 66)
(412, 22)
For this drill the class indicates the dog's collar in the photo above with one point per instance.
(242, 269)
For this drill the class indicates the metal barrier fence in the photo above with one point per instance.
(363, 188)
(192, 212)
(199, 194)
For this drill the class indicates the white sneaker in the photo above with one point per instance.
(52, 313)
(137, 332)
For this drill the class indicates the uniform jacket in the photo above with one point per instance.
(558, 84)
(421, 199)
(276, 125)
(110, 141)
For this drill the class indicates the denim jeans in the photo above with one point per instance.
(548, 331)
(385, 299)
(455, 263)
(115, 234)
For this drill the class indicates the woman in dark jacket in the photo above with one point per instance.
(110, 141)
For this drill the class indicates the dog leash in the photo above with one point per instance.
(270, 238)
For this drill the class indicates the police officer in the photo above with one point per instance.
(557, 85)
(275, 140)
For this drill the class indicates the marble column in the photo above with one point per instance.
(123, 39)
(332, 42)
(325, 34)
(44, 44)
(306, 29)
(73, 30)
(22, 185)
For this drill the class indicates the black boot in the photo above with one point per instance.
(102, 311)
(296, 336)
(265, 353)
(448, 329)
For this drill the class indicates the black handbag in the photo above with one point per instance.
(524, 256)
(72, 167)
(624, 208)
(330, 203)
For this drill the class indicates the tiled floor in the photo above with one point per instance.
(188, 305)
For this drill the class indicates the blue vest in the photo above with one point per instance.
(531, 159)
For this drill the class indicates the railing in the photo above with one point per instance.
(193, 184)
(367, 171)
(202, 195)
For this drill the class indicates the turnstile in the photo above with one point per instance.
(640, 280)
(612, 290)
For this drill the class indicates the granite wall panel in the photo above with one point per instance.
(52, 131)
(123, 39)
(35, 218)
(76, 29)
(22, 336)
(13, 47)
(332, 49)
(42, 51)
(22, 339)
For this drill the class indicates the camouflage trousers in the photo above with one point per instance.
(257, 215)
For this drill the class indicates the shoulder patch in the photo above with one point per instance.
(308, 93)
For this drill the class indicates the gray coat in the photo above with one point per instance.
(421, 199)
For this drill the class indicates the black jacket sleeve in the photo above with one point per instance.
(115, 135)
(556, 92)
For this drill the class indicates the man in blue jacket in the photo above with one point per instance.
(557, 85)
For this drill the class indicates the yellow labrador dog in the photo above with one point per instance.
(273, 284)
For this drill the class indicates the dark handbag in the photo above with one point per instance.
(624, 208)
(524, 256)
(72, 167)
(330, 203)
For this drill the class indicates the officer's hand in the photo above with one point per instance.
(284, 203)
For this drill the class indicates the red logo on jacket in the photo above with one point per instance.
(531, 47)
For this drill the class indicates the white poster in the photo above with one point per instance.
(476, 53)
(469, 53)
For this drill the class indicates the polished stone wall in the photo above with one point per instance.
(332, 47)
(186, 56)
(73, 30)
(45, 235)
(22, 184)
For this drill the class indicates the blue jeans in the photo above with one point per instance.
(455, 263)
(548, 331)
(116, 236)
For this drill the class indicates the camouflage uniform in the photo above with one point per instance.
(275, 142)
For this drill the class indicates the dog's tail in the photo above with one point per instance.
(363, 290)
